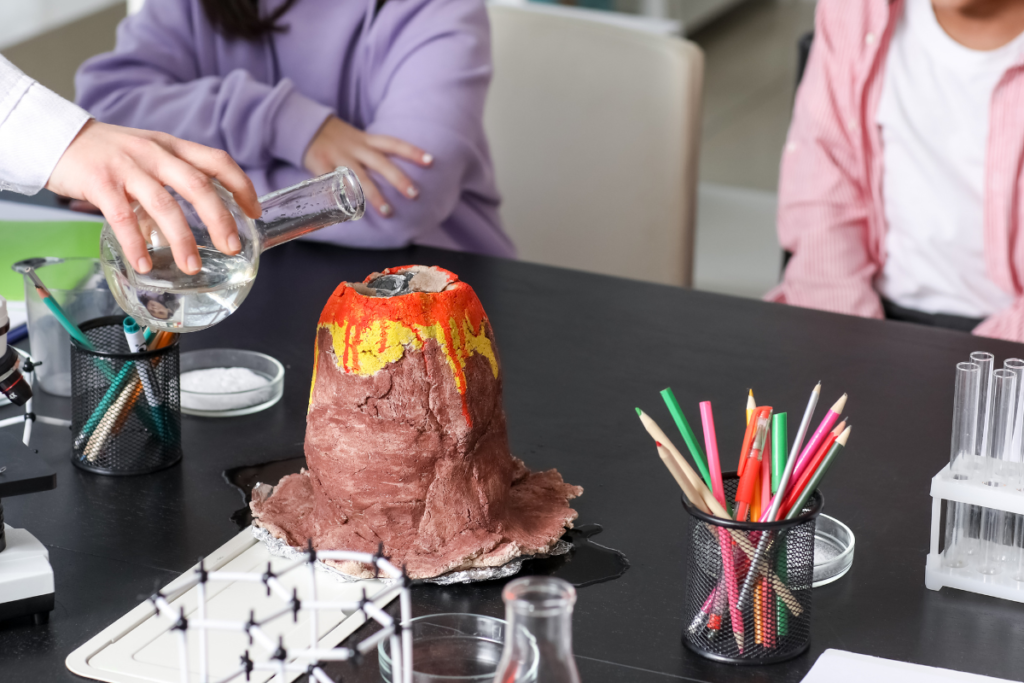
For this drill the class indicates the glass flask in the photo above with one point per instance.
(538, 639)
(165, 298)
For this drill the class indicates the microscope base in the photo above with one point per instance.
(26, 578)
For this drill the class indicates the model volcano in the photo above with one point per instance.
(406, 441)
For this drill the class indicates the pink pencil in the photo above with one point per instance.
(711, 444)
(729, 569)
(819, 436)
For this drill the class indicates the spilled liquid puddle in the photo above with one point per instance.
(586, 564)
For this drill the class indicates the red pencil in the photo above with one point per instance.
(748, 436)
(812, 467)
(745, 490)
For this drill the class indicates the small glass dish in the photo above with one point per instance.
(456, 648)
(231, 403)
(833, 550)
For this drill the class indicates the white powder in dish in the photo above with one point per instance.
(217, 389)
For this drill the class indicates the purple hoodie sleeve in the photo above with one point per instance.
(151, 80)
(428, 71)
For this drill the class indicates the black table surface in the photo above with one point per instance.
(579, 352)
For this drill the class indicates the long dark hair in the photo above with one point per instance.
(241, 18)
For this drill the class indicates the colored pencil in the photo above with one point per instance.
(751, 405)
(781, 614)
(758, 615)
(813, 465)
(787, 473)
(766, 476)
(680, 477)
(819, 474)
(748, 436)
(820, 434)
(745, 490)
(659, 436)
(780, 448)
(687, 432)
(707, 420)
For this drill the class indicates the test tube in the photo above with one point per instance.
(985, 361)
(1013, 523)
(1004, 394)
(965, 424)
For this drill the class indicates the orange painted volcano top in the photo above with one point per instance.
(368, 333)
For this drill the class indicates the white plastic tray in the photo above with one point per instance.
(138, 647)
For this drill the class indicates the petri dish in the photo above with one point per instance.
(833, 550)
(451, 648)
(226, 367)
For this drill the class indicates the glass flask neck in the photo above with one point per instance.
(313, 204)
(538, 641)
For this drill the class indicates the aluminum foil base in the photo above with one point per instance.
(279, 548)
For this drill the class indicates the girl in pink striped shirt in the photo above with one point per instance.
(901, 179)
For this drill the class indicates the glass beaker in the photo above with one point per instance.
(538, 610)
(165, 298)
(78, 285)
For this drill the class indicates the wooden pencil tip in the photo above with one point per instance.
(840, 404)
(818, 386)
(844, 437)
(639, 412)
(658, 444)
(839, 428)
(751, 393)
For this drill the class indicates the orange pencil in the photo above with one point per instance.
(755, 507)
(758, 615)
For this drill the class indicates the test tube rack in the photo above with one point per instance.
(972, 492)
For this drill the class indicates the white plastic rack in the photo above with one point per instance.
(972, 492)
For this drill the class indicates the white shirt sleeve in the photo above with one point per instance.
(36, 126)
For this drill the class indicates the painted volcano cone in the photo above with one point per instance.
(406, 441)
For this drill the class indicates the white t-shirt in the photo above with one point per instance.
(934, 119)
(36, 126)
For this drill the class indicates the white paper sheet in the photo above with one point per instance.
(837, 666)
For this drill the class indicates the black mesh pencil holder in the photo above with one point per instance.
(125, 407)
(735, 616)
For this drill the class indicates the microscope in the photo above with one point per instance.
(26, 578)
(12, 382)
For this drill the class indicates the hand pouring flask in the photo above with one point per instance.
(538, 632)
(165, 298)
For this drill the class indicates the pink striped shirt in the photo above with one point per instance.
(831, 212)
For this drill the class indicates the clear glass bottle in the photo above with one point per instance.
(165, 298)
(538, 635)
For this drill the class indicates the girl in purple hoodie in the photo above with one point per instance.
(393, 89)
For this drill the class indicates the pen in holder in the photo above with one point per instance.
(126, 416)
(768, 620)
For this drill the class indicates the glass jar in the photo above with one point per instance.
(166, 298)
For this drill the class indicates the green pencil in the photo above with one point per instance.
(688, 436)
(780, 448)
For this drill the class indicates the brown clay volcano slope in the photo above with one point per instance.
(408, 447)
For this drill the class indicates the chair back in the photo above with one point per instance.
(594, 130)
